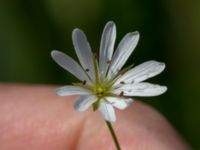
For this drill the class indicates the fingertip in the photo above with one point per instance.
(36, 115)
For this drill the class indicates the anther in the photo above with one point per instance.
(122, 82)
(121, 94)
(84, 82)
(109, 61)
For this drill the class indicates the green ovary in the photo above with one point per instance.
(101, 90)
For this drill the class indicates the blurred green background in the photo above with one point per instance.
(170, 32)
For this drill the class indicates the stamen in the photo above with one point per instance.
(122, 82)
(84, 82)
(109, 61)
(122, 73)
(121, 94)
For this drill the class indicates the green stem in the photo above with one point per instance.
(113, 135)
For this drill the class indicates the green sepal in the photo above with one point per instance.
(96, 105)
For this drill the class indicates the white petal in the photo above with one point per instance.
(83, 51)
(124, 50)
(120, 103)
(107, 111)
(142, 72)
(106, 47)
(69, 64)
(141, 89)
(72, 90)
(84, 102)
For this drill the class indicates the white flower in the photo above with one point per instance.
(103, 85)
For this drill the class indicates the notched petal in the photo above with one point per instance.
(106, 47)
(120, 103)
(142, 72)
(83, 51)
(107, 111)
(122, 53)
(72, 90)
(69, 64)
(84, 102)
(141, 89)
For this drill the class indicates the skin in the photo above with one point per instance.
(33, 117)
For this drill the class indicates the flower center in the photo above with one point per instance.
(101, 90)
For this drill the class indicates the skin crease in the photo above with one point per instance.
(33, 117)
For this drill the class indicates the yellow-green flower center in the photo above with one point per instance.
(101, 90)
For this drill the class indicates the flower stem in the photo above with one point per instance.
(113, 135)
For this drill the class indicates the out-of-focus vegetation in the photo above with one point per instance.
(170, 32)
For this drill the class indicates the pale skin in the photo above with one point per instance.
(33, 117)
